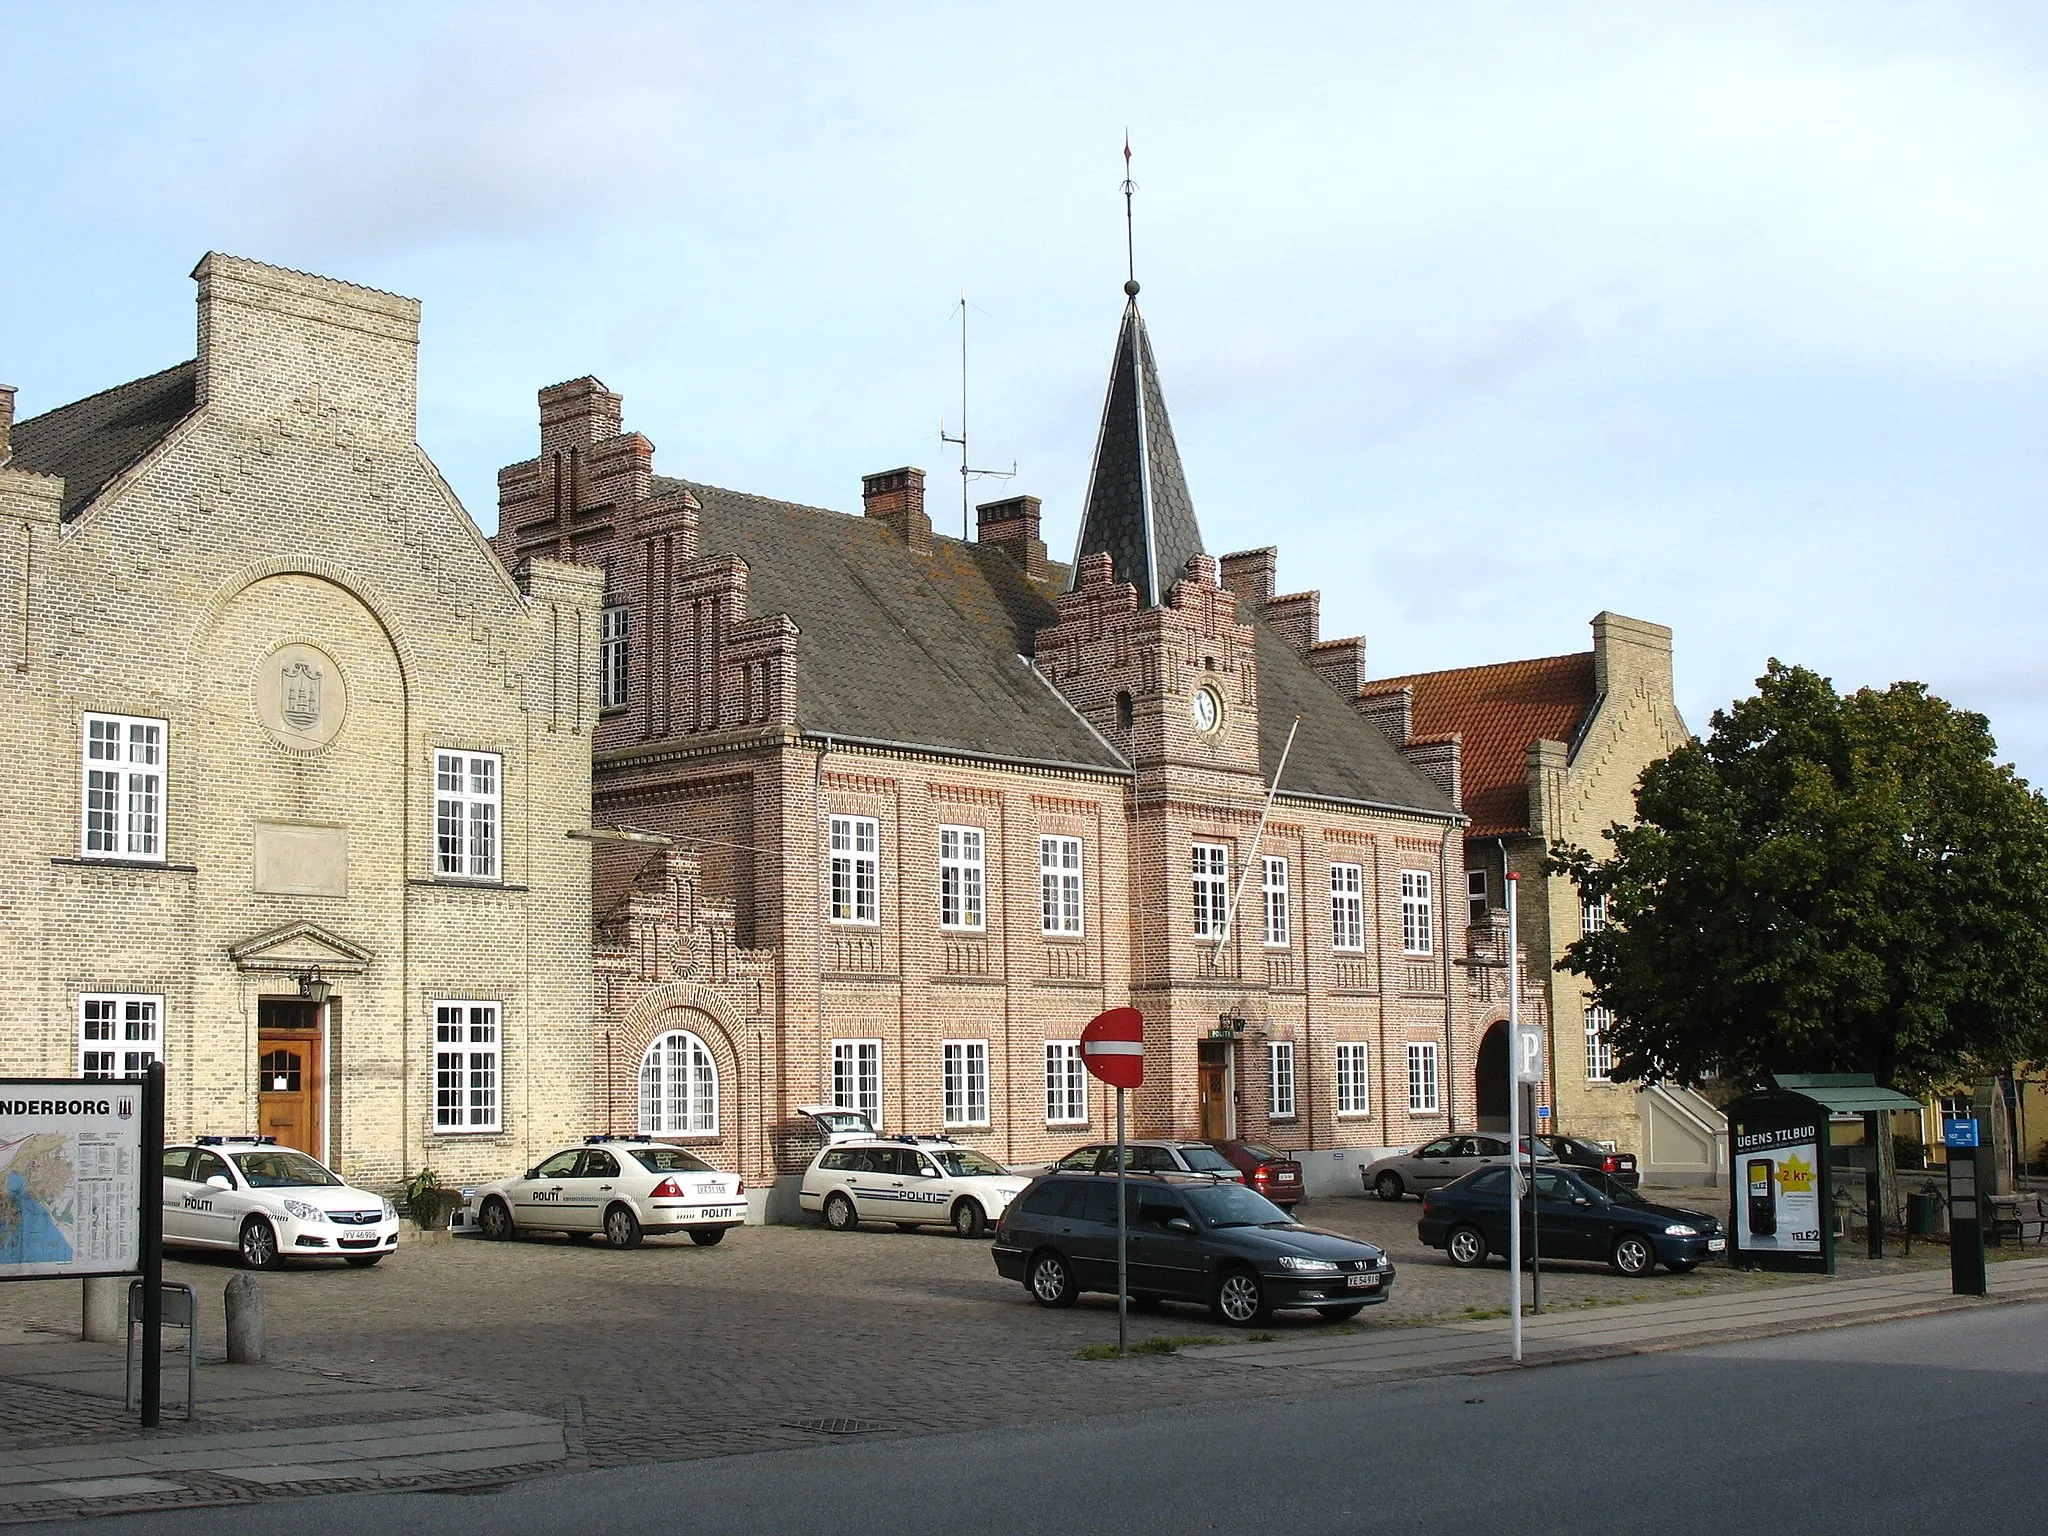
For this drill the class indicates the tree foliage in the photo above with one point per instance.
(1824, 884)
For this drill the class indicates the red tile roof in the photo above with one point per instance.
(1499, 710)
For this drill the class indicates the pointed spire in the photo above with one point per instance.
(1138, 508)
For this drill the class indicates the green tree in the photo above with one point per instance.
(1824, 884)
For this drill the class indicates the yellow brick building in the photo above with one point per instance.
(288, 758)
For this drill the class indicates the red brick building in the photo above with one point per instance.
(934, 804)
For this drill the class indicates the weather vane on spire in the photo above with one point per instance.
(1130, 246)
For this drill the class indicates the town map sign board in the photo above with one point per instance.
(70, 1177)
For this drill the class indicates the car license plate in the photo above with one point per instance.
(1362, 1282)
(715, 1213)
(1716, 1244)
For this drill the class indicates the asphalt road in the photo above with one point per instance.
(1934, 1424)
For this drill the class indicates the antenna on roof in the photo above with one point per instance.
(967, 472)
(1130, 237)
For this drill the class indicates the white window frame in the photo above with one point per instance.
(1209, 865)
(614, 656)
(469, 1066)
(1418, 915)
(963, 879)
(1477, 902)
(963, 1085)
(1599, 1048)
(678, 1086)
(1347, 907)
(856, 1081)
(1593, 915)
(1066, 1084)
(1061, 898)
(1279, 1079)
(128, 823)
(1273, 890)
(1424, 1089)
(1354, 1079)
(469, 814)
(126, 1028)
(856, 883)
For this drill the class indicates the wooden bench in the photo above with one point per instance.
(2019, 1216)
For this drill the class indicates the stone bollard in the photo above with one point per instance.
(106, 1309)
(245, 1320)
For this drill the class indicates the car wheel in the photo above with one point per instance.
(840, 1215)
(707, 1237)
(1685, 1267)
(1388, 1186)
(259, 1244)
(1350, 1309)
(495, 1221)
(969, 1220)
(1240, 1300)
(1633, 1255)
(364, 1260)
(1466, 1247)
(1052, 1282)
(621, 1227)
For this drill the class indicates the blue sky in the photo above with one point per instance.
(1490, 316)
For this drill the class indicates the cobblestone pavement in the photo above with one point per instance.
(676, 1351)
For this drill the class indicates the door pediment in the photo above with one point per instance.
(300, 947)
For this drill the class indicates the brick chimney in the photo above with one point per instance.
(896, 497)
(1250, 574)
(7, 426)
(1012, 526)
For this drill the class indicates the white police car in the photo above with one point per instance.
(913, 1181)
(270, 1203)
(620, 1188)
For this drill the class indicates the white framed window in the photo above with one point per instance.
(856, 869)
(468, 1056)
(1280, 1079)
(1593, 915)
(1347, 906)
(1354, 1095)
(1066, 1084)
(468, 811)
(119, 1033)
(964, 1069)
(678, 1087)
(857, 1078)
(121, 811)
(1212, 889)
(1422, 1098)
(1417, 920)
(1059, 885)
(962, 874)
(1599, 1052)
(612, 657)
(1475, 896)
(1273, 886)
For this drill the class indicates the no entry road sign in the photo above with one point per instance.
(1113, 1047)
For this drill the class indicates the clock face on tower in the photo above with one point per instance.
(1208, 710)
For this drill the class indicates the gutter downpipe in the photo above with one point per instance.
(823, 866)
(1450, 992)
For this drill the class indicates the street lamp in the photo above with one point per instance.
(315, 988)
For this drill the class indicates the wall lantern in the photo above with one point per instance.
(315, 988)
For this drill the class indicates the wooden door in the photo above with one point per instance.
(1215, 1100)
(288, 1085)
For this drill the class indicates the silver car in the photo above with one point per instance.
(1438, 1162)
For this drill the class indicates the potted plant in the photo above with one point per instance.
(427, 1203)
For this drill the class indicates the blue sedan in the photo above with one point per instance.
(1577, 1216)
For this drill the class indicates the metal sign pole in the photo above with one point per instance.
(151, 1182)
(1535, 1215)
(1123, 1300)
(1514, 1138)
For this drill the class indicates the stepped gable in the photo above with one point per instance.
(894, 645)
(90, 442)
(1499, 710)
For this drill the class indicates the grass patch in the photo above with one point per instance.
(1156, 1346)
(1483, 1314)
(1263, 1338)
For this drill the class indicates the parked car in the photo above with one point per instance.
(1150, 1157)
(269, 1203)
(1605, 1222)
(1436, 1163)
(1266, 1169)
(619, 1188)
(912, 1181)
(1577, 1152)
(1191, 1238)
(836, 1124)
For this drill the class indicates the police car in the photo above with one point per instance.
(619, 1188)
(270, 1203)
(913, 1181)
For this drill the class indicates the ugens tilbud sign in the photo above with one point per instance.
(1777, 1152)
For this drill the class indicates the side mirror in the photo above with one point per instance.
(531, 1173)
(928, 1172)
(220, 1181)
(1581, 1200)
(1181, 1224)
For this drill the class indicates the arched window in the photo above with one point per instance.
(678, 1087)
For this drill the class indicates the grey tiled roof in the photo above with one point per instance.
(90, 441)
(1138, 486)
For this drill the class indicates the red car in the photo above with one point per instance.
(1266, 1169)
